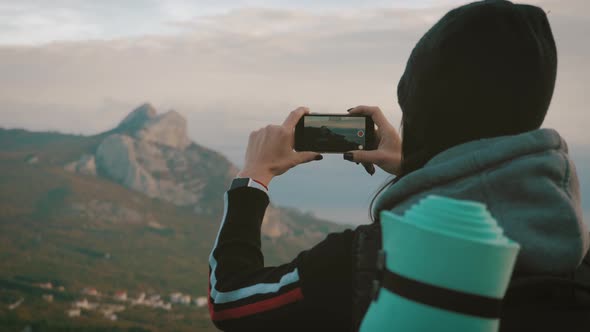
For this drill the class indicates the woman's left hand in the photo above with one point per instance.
(270, 150)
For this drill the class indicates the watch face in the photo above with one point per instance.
(239, 182)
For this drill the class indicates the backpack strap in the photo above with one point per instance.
(365, 247)
(573, 288)
(549, 303)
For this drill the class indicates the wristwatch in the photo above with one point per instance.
(247, 182)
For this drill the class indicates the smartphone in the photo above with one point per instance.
(334, 133)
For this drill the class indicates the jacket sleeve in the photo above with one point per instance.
(310, 292)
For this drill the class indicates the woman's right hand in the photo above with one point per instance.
(388, 154)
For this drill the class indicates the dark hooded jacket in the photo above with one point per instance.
(476, 89)
(474, 93)
(528, 183)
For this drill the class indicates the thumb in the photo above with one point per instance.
(307, 156)
(364, 156)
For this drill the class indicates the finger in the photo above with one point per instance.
(305, 157)
(377, 140)
(378, 136)
(294, 117)
(374, 112)
(370, 168)
(365, 156)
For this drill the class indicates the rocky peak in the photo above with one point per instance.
(144, 123)
(168, 129)
(138, 117)
(152, 154)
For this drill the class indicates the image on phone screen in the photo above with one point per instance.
(332, 133)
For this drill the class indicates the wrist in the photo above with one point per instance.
(263, 177)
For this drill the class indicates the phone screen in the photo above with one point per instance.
(334, 133)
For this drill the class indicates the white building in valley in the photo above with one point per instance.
(121, 296)
(84, 304)
(73, 312)
(201, 301)
(180, 298)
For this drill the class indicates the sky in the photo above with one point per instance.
(36, 21)
(335, 122)
(230, 67)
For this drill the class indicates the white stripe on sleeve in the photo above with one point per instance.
(241, 293)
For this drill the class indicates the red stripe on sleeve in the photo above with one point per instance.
(260, 183)
(257, 307)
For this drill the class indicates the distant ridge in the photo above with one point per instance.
(135, 208)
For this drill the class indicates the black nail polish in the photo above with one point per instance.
(350, 109)
(348, 156)
(370, 168)
(318, 157)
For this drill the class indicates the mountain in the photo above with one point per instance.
(581, 156)
(133, 209)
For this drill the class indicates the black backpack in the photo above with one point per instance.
(532, 303)
(542, 303)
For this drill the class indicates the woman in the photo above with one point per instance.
(474, 94)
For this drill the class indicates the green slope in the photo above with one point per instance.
(45, 237)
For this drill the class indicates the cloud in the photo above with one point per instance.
(230, 70)
(33, 22)
(251, 65)
(24, 22)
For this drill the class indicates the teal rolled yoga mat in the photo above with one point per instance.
(447, 267)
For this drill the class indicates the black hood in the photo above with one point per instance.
(485, 69)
